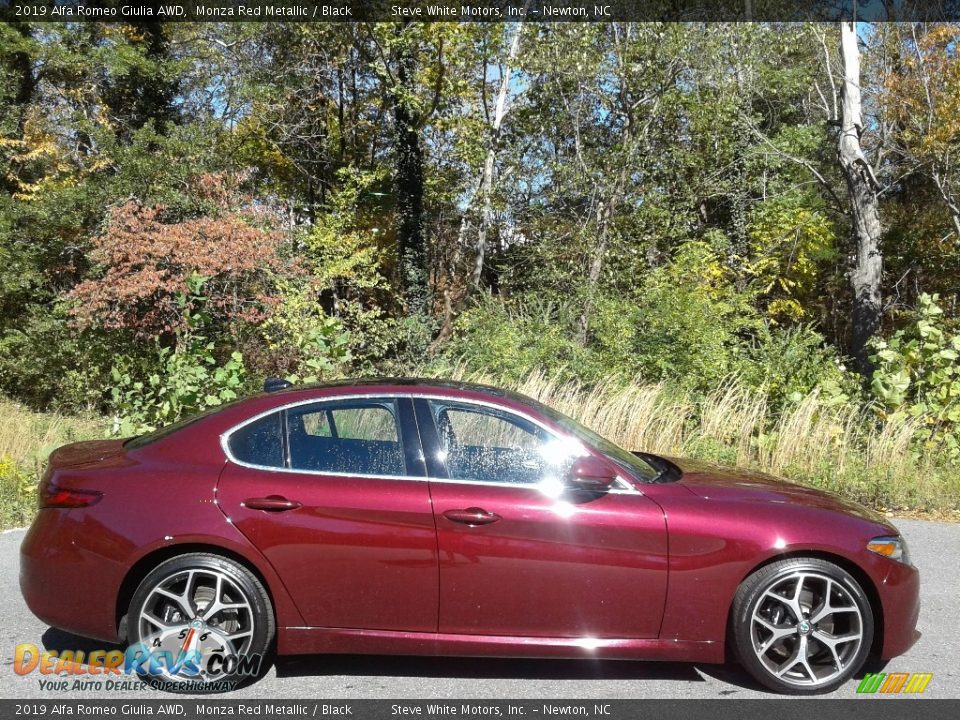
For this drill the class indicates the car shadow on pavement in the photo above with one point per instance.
(60, 640)
(456, 667)
(511, 669)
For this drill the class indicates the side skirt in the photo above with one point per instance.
(310, 640)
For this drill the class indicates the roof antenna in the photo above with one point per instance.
(272, 384)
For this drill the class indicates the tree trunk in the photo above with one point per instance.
(409, 183)
(861, 186)
(490, 163)
(144, 93)
(20, 66)
(603, 213)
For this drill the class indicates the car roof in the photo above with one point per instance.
(413, 382)
(227, 414)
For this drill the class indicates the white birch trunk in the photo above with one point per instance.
(862, 189)
(489, 165)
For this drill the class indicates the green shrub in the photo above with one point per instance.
(47, 364)
(694, 328)
(687, 325)
(691, 323)
(18, 493)
(917, 374)
(791, 362)
(187, 382)
(348, 257)
(511, 339)
(181, 380)
(305, 343)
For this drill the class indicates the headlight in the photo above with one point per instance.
(891, 546)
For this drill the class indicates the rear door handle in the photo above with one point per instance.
(471, 516)
(271, 503)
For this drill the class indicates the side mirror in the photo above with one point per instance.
(591, 473)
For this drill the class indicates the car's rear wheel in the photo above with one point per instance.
(203, 622)
(802, 626)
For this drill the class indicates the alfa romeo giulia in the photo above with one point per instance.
(437, 518)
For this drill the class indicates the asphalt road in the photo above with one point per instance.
(935, 548)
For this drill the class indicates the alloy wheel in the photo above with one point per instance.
(806, 629)
(194, 614)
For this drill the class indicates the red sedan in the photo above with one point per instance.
(433, 518)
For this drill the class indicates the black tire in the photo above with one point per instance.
(804, 578)
(255, 621)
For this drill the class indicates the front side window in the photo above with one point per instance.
(482, 444)
(631, 463)
(354, 437)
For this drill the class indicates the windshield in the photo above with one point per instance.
(624, 459)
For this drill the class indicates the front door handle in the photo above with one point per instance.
(471, 516)
(271, 503)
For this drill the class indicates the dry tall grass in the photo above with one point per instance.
(26, 439)
(842, 448)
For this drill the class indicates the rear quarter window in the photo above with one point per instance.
(259, 442)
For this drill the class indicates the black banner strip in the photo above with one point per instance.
(480, 10)
(782, 709)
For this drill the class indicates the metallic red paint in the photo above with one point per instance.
(374, 565)
(359, 553)
(598, 569)
(729, 523)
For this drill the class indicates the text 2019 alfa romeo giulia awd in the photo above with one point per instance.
(433, 518)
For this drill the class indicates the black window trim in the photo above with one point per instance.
(425, 432)
(396, 406)
(438, 469)
(409, 439)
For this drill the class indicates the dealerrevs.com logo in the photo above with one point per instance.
(138, 666)
(891, 683)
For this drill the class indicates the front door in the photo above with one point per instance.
(333, 494)
(522, 555)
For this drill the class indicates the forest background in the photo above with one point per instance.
(738, 242)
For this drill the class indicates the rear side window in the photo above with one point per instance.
(260, 442)
(350, 437)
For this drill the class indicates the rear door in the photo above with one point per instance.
(520, 555)
(333, 493)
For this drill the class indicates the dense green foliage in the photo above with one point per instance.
(918, 375)
(187, 209)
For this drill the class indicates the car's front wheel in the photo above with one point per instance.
(802, 626)
(202, 623)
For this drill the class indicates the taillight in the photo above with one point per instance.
(52, 496)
